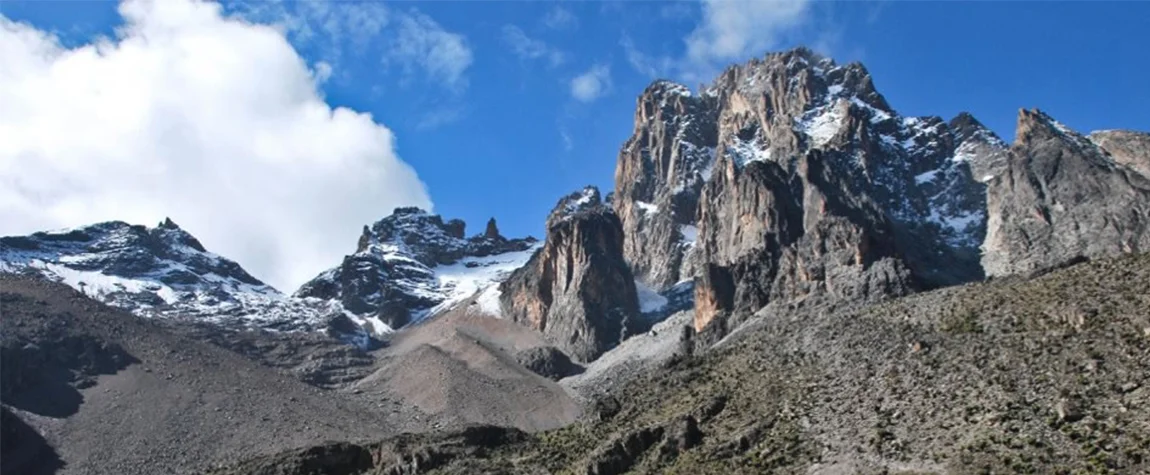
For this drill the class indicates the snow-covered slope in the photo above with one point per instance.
(161, 271)
(409, 266)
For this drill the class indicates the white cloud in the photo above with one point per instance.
(729, 31)
(559, 18)
(422, 44)
(592, 84)
(213, 121)
(528, 48)
(735, 31)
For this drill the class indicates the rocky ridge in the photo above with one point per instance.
(161, 271)
(407, 266)
(411, 264)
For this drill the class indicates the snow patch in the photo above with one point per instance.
(647, 208)
(649, 300)
(747, 151)
(468, 277)
(925, 177)
(690, 234)
(822, 124)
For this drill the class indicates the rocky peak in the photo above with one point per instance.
(410, 265)
(577, 289)
(1061, 199)
(1035, 126)
(914, 181)
(492, 231)
(158, 272)
(575, 203)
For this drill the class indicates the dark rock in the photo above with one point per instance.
(606, 408)
(577, 290)
(548, 362)
(620, 454)
(492, 231)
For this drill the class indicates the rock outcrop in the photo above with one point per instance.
(1064, 198)
(577, 289)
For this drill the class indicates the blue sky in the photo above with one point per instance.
(502, 107)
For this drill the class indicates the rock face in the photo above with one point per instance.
(791, 176)
(1064, 197)
(1126, 147)
(577, 289)
(658, 177)
(392, 279)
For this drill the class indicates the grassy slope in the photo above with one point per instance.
(1045, 375)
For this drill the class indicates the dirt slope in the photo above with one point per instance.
(112, 393)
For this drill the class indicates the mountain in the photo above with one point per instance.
(411, 265)
(790, 276)
(1039, 375)
(407, 266)
(790, 179)
(161, 271)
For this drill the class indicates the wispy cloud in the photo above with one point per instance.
(529, 48)
(592, 84)
(415, 42)
(423, 45)
(647, 65)
(734, 31)
(437, 117)
(559, 18)
(728, 31)
(568, 143)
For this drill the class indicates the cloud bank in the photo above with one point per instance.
(213, 121)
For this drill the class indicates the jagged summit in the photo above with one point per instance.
(412, 264)
(582, 201)
(925, 173)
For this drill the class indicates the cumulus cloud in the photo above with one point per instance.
(213, 121)
(559, 18)
(592, 84)
(526, 47)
